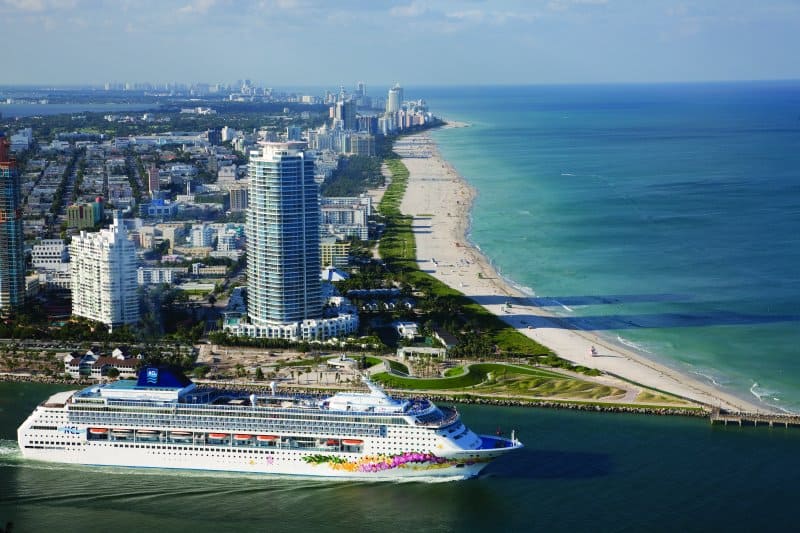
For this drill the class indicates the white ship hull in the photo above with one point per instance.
(261, 435)
(248, 462)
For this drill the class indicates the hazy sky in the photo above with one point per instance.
(315, 42)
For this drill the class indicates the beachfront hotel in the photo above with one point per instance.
(284, 289)
(103, 272)
(12, 258)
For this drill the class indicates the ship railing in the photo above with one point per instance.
(448, 416)
(250, 411)
(231, 425)
(170, 417)
(418, 406)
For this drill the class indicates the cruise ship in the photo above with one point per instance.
(163, 420)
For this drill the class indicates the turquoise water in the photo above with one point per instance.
(578, 472)
(666, 217)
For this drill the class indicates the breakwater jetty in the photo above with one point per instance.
(718, 416)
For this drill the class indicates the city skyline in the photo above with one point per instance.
(433, 43)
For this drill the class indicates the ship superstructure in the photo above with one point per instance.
(163, 420)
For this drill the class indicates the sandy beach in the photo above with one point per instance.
(440, 202)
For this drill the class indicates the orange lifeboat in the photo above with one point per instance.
(266, 438)
(332, 442)
(217, 436)
(98, 431)
(352, 442)
(242, 436)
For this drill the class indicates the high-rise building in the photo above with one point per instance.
(395, 99)
(283, 255)
(153, 181)
(238, 198)
(284, 289)
(202, 235)
(345, 114)
(103, 269)
(12, 258)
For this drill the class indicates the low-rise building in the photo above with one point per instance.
(157, 275)
(50, 254)
(83, 216)
(407, 330)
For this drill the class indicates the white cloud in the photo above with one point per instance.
(472, 15)
(563, 5)
(414, 9)
(24, 5)
(35, 6)
(197, 6)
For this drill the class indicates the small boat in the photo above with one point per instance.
(180, 433)
(147, 432)
(266, 438)
(242, 436)
(217, 436)
(98, 431)
(122, 431)
(332, 442)
(352, 442)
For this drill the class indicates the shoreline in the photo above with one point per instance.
(440, 202)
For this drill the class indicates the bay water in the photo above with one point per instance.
(665, 217)
(578, 472)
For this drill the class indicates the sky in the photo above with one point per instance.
(432, 42)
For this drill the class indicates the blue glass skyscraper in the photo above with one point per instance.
(12, 258)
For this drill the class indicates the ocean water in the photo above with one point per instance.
(578, 472)
(665, 217)
(30, 110)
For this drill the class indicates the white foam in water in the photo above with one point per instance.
(762, 393)
(8, 448)
(709, 377)
(564, 306)
(631, 344)
(567, 174)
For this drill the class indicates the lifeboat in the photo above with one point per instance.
(242, 436)
(331, 442)
(180, 433)
(352, 442)
(147, 432)
(217, 436)
(98, 431)
(266, 438)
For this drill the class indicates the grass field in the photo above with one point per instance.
(397, 366)
(516, 380)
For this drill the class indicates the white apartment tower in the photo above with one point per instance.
(283, 253)
(395, 99)
(103, 270)
(284, 289)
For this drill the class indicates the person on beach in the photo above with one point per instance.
(593, 351)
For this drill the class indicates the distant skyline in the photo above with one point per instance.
(432, 42)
